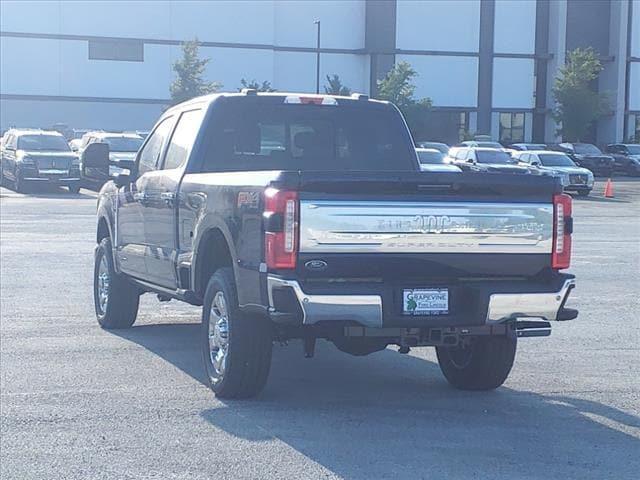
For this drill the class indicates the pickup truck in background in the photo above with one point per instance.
(294, 216)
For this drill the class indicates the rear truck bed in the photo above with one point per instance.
(471, 250)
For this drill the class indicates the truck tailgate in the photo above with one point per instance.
(434, 225)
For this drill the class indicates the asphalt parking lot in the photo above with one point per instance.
(81, 402)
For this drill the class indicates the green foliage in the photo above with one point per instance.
(398, 88)
(334, 86)
(265, 86)
(189, 70)
(577, 104)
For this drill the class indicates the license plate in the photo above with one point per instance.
(425, 301)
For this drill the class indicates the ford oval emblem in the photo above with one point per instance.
(316, 265)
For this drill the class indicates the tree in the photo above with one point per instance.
(265, 86)
(334, 86)
(577, 104)
(398, 88)
(190, 71)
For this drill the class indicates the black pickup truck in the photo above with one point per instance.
(292, 216)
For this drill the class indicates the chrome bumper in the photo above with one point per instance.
(367, 309)
(364, 309)
(509, 306)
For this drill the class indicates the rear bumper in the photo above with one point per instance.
(377, 305)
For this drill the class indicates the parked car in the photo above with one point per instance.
(626, 157)
(432, 160)
(122, 151)
(480, 143)
(441, 147)
(480, 159)
(527, 146)
(321, 226)
(588, 156)
(38, 156)
(574, 178)
(75, 144)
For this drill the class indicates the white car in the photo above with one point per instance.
(432, 160)
(574, 178)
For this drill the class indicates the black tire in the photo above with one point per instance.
(583, 193)
(483, 365)
(75, 189)
(121, 306)
(248, 341)
(19, 185)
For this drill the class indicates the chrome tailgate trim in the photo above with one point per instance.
(329, 226)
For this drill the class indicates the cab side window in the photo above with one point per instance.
(150, 154)
(183, 138)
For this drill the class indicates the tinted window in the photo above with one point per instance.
(586, 149)
(493, 156)
(116, 49)
(43, 142)
(182, 139)
(633, 149)
(275, 136)
(153, 149)
(123, 144)
(556, 160)
(430, 157)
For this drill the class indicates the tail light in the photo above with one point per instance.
(562, 230)
(281, 228)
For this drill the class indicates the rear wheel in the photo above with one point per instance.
(482, 364)
(116, 300)
(236, 348)
(583, 193)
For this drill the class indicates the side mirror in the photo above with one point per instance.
(95, 162)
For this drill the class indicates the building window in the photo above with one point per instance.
(637, 139)
(463, 125)
(511, 127)
(120, 49)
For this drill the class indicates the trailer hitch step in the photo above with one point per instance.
(528, 328)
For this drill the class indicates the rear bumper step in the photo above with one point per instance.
(367, 310)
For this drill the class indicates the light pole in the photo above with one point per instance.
(317, 22)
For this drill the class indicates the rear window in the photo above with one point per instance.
(493, 157)
(270, 135)
(430, 157)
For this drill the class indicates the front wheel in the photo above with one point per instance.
(19, 184)
(236, 348)
(74, 188)
(116, 300)
(482, 364)
(583, 193)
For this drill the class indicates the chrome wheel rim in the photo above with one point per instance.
(218, 335)
(103, 281)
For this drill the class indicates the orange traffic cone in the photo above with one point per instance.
(608, 189)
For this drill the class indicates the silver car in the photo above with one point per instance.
(574, 178)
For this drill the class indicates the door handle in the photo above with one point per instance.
(168, 197)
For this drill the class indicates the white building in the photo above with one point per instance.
(488, 65)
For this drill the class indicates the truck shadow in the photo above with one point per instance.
(394, 416)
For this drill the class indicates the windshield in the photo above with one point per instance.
(494, 157)
(586, 149)
(265, 135)
(534, 146)
(549, 160)
(123, 144)
(633, 149)
(432, 158)
(43, 142)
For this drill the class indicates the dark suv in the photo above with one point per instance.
(588, 156)
(626, 156)
(39, 156)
